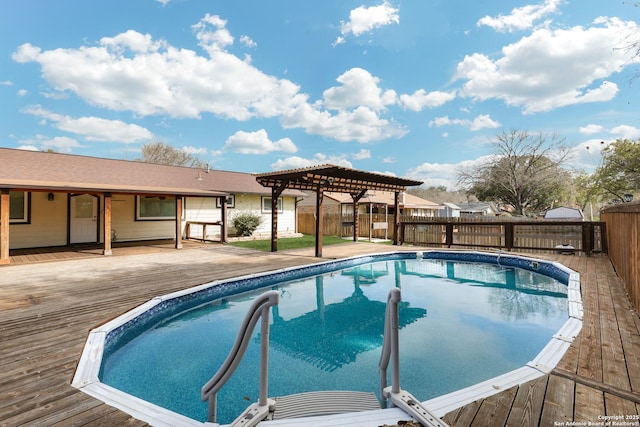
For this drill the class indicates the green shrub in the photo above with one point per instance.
(246, 223)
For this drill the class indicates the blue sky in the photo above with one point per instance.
(414, 88)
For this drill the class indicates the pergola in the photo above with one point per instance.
(331, 178)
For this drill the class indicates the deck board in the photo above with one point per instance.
(50, 300)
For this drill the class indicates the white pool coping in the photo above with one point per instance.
(86, 375)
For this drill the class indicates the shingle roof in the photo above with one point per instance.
(36, 170)
(386, 197)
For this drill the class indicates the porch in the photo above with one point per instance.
(47, 309)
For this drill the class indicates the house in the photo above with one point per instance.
(478, 209)
(379, 205)
(564, 213)
(51, 199)
(449, 210)
(374, 201)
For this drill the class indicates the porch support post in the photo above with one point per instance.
(107, 224)
(223, 219)
(178, 222)
(4, 226)
(319, 221)
(276, 191)
(396, 218)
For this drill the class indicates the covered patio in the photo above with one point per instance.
(52, 199)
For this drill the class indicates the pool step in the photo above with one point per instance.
(323, 403)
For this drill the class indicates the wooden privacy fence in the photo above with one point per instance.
(486, 232)
(623, 231)
(380, 225)
(564, 236)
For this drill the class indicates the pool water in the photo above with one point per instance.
(460, 323)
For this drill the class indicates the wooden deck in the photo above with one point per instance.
(48, 308)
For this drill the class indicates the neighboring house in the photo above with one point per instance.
(377, 202)
(449, 210)
(52, 199)
(478, 209)
(564, 213)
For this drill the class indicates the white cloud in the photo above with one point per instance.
(551, 68)
(258, 142)
(164, 2)
(591, 129)
(365, 19)
(28, 148)
(296, 162)
(586, 156)
(60, 144)
(94, 128)
(194, 150)
(626, 132)
(361, 125)
(421, 99)
(443, 174)
(6, 83)
(362, 154)
(22, 92)
(521, 18)
(212, 34)
(483, 121)
(133, 72)
(247, 41)
(359, 88)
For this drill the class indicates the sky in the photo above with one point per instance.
(413, 88)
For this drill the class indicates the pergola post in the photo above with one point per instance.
(107, 225)
(178, 222)
(356, 221)
(319, 221)
(274, 220)
(276, 191)
(4, 226)
(356, 196)
(396, 218)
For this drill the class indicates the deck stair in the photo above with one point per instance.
(318, 403)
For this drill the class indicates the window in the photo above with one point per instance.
(19, 203)
(266, 204)
(231, 201)
(150, 208)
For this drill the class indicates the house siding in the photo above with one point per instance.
(125, 227)
(204, 209)
(48, 225)
(49, 220)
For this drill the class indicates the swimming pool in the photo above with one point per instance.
(465, 318)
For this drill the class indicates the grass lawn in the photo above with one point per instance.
(306, 241)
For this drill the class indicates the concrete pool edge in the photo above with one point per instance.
(87, 372)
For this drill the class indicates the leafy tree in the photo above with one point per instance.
(164, 154)
(525, 172)
(619, 172)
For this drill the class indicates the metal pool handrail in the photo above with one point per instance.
(256, 412)
(391, 350)
(390, 344)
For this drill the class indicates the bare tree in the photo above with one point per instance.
(525, 172)
(164, 154)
